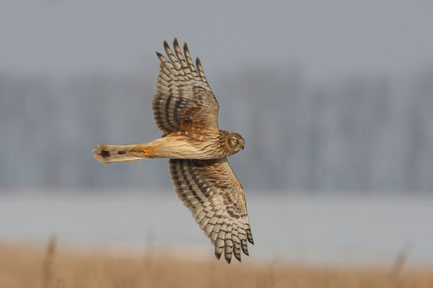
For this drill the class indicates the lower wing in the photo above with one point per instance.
(216, 199)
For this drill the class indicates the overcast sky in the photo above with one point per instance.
(329, 39)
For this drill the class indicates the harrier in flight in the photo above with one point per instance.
(186, 110)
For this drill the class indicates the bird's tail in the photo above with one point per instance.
(121, 153)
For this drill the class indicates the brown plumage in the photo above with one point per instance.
(186, 110)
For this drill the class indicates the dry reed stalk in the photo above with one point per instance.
(47, 265)
(400, 260)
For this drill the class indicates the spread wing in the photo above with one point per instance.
(183, 96)
(216, 199)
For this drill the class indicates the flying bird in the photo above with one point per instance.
(186, 110)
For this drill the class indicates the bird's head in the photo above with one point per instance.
(235, 142)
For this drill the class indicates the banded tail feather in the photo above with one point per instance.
(119, 153)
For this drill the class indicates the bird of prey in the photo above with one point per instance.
(186, 110)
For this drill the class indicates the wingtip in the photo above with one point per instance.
(160, 57)
(250, 239)
(238, 257)
(250, 236)
(185, 47)
(166, 44)
(228, 259)
(217, 255)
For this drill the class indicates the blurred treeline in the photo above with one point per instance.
(370, 133)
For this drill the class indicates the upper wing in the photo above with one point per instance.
(216, 199)
(183, 96)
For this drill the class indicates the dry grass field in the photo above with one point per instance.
(22, 266)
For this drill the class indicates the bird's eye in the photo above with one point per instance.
(234, 141)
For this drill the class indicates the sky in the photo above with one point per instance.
(328, 39)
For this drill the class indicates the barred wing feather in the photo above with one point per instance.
(216, 199)
(183, 96)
